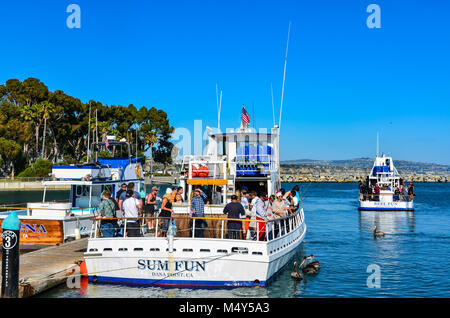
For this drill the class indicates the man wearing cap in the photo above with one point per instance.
(198, 210)
(151, 207)
(234, 210)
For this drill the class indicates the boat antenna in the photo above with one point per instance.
(284, 74)
(273, 106)
(219, 105)
(378, 144)
(253, 114)
(96, 134)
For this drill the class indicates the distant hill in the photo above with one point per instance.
(367, 163)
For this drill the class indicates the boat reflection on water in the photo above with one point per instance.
(389, 222)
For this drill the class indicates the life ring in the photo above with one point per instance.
(203, 171)
(195, 171)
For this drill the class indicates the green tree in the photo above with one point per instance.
(11, 156)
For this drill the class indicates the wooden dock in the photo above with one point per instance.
(48, 267)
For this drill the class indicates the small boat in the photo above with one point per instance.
(49, 223)
(381, 190)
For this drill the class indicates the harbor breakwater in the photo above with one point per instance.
(356, 177)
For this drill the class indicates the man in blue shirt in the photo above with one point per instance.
(234, 210)
(198, 210)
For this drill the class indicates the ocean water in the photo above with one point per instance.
(412, 260)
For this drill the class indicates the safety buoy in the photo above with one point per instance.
(83, 269)
(203, 171)
(195, 171)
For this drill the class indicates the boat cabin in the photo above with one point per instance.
(234, 160)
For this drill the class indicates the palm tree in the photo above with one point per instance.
(46, 108)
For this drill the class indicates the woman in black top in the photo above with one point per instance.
(166, 211)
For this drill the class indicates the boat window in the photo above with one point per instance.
(123, 249)
(138, 249)
(205, 250)
(257, 253)
(188, 250)
(173, 249)
(108, 249)
(222, 251)
(240, 250)
(93, 250)
(154, 249)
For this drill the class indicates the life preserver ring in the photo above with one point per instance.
(195, 171)
(203, 171)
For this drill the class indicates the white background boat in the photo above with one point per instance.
(385, 175)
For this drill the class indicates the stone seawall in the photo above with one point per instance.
(28, 185)
(357, 178)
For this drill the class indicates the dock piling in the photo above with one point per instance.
(10, 256)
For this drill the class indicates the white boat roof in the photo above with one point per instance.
(90, 182)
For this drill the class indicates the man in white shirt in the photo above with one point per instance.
(260, 213)
(132, 208)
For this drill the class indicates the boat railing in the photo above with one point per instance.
(192, 227)
(12, 207)
(395, 197)
(254, 163)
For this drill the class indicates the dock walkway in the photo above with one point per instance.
(48, 267)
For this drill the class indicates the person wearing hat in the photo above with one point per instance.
(198, 210)
(150, 207)
(234, 210)
(279, 210)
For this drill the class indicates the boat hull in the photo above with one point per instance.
(193, 263)
(386, 205)
(51, 230)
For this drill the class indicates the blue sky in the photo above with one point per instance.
(344, 81)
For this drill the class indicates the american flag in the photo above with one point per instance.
(245, 116)
(105, 140)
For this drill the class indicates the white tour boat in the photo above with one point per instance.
(50, 223)
(384, 175)
(233, 160)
